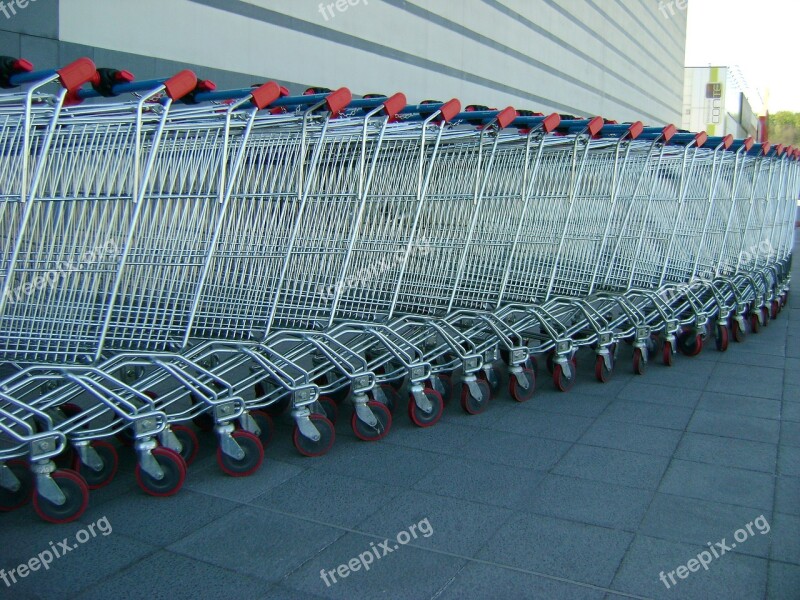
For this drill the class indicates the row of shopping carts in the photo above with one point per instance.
(177, 257)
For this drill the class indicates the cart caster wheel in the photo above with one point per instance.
(517, 392)
(370, 433)
(13, 500)
(666, 353)
(690, 343)
(775, 308)
(174, 469)
(721, 338)
(491, 377)
(308, 447)
(329, 408)
(736, 332)
(204, 421)
(442, 383)
(265, 425)
(337, 396)
(419, 417)
(764, 316)
(601, 372)
(470, 403)
(561, 381)
(189, 443)
(250, 462)
(639, 365)
(97, 479)
(392, 398)
(755, 323)
(76, 494)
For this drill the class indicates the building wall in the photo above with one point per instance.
(622, 59)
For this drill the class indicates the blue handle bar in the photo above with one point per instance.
(124, 88)
(528, 122)
(650, 133)
(32, 76)
(574, 125)
(738, 143)
(476, 115)
(223, 95)
(614, 130)
(291, 101)
(682, 139)
(425, 109)
(713, 142)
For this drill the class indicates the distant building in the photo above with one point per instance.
(713, 103)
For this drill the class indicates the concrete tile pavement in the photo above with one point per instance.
(590, 494)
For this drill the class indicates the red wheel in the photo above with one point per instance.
(721, 338)
(76, 498)
(250, 462)
(389, 396)
(307, 446)
(639, 365)
(442, 383)
(266, 428)
(174, 473)
(561, 381)
(108, 469)
(755, 324)
(736, 331)
(189, 443)
(666, 353)
(370, 433)
(601, 372)
(470, 403)
(419, 417)
(519, 393)
(329, 408)
(775, 309)
(11, 500)
(690, 342)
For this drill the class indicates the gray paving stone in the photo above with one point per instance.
(480, 481)
(791, 411)
(719, 484)
(639, 391)
(459, 526)
(67, 574)
(542, 424)
(521, 451)
(784, 581)
(613, 466)
(592, 502)
(575, 551)
(786, 538)
(574, 403)
(162, 521)
(728, 452)
(682, 519)
(787, 495)
(791, 393)
(735, 576)
(240, 540)
(789, 461)
(448, 439)
(167, 574)
(683, 376)
(735, 426)
(328, 497)
(645, 413)
(790, 433)
(410, 571)
(211, 480)
(740, 405)
(479, 581)
(609, 433)
(760, 382)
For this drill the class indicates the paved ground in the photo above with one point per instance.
(590, 494)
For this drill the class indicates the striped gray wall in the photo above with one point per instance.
(622, 59)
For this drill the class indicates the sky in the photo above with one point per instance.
(757, 35)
